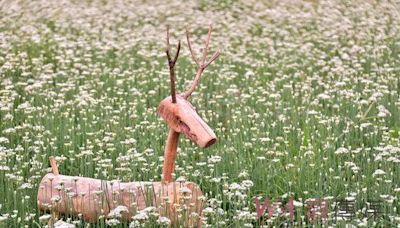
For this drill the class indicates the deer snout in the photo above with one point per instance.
(183, 118)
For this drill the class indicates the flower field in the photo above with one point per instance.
(304, 100)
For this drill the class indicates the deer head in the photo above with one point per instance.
(177, 111)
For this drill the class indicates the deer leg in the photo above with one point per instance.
(170, 155)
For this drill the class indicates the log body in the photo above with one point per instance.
(91, 198)
(182, 118)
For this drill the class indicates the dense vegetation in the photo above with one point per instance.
(304, 100)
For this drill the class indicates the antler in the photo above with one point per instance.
(171, 64)
(202, 64)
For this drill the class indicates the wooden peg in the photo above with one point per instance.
(53, 164)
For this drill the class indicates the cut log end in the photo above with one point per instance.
(211, 142)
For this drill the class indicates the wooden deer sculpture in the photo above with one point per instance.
(180, 114)
(92, 199)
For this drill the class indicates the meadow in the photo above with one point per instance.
(304, 100)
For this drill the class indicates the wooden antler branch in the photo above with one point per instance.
(201, 65)
(171, 64)
(173, 136)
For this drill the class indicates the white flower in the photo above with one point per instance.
(383, 112)
(140, 217)
(244, 215)
(44, 218)
(26, 186)
(134, 224)
(148, 210)
(243, 174)
(117, 212)
(4, 168)
(297, 203)
(341, 150)
(3, 218)
(62, 224)
(324, 96)
(378, 172)
(163, 221)
(208, 211)
(55, 199)
(247, 183)
(181, 179)
(235, 186)
(113, 222)
(4, 140)
(185, 191)
(214, 159)
(312, 112)
(24, 105)
(220, 211)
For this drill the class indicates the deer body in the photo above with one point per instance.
(92, 198)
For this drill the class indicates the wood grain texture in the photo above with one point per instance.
(53, 164)
(170, 153)
(182, 118)
(92, 198)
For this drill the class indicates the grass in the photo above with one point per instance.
(304, 101)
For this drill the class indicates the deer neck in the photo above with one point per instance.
(170, 155)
